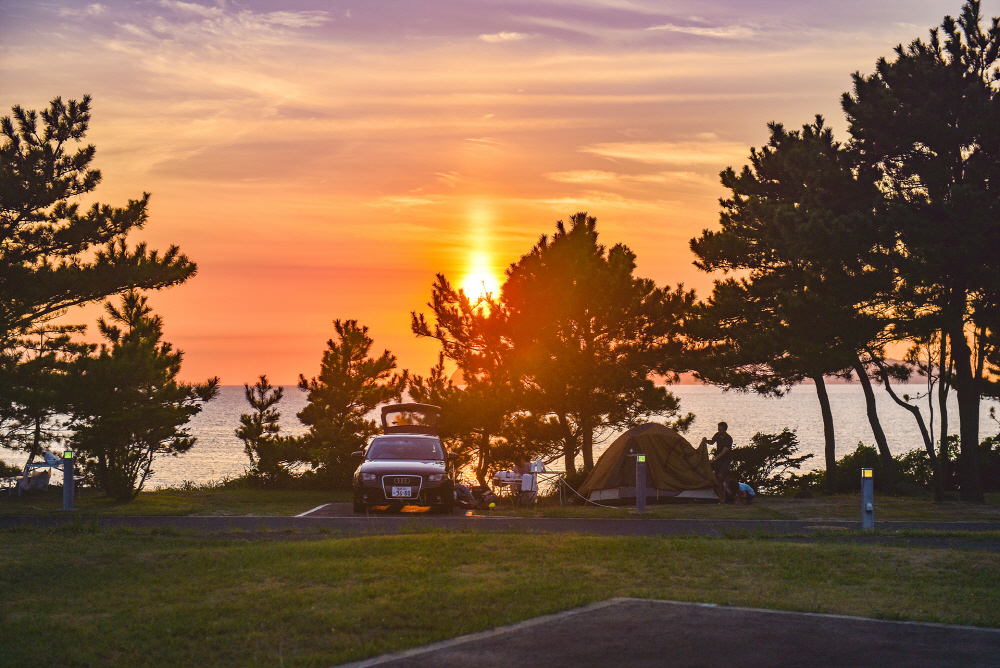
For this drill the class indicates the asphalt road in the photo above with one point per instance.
(641, 633)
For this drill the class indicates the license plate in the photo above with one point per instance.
(401, 491)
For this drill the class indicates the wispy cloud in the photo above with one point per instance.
(191, 8)
(606, 179)
(724, 32)
(495, 37)
(712, 152)
(95, 9)
(584, 176)
(194, 21)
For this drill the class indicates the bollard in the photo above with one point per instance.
(68, 480)
(640, 483)
(867, 500)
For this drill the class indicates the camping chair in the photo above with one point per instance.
(529, 489)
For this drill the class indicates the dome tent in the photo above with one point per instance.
(675, 470)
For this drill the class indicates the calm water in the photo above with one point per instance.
(219, 454)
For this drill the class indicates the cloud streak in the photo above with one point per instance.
(722, 32)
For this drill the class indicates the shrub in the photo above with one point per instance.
(764, 462)
(913, 467)
(8, 470)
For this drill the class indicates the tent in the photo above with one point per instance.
(675, 470)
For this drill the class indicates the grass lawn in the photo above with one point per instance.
(218, 500)
(126, 598)
(841, 506)
(196, 501)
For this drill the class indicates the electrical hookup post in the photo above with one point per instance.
(640, 483)
(68, 480)
(867, 500)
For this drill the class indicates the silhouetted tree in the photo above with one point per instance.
(800, 225)
(474, 335)
(351, 383)
(128, 407)
(927, 122)
(269, 452)
(589, 335)
(52, 255)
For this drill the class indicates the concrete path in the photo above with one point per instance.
(637, 633)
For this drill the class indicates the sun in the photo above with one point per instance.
(481, 279)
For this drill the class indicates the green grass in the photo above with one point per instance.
(208, 500)
(125, 598)
(236, 500)
(841, 506)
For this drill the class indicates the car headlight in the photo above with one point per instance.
(368, 477)
(436, 477)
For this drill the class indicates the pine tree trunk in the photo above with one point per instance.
(888, 465)
(569, 446)
(968, 416)
(944, 384)
(828, 435)
(484, 459)
(587, 447)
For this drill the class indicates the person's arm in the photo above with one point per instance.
(712, 441)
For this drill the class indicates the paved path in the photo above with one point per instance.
(638, 633)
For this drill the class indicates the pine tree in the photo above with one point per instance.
(474, 335)
(800, 226)
(128, 407)
(588, 335)
(351, 383)
(52, 254)
(269, 452)
(926, 123)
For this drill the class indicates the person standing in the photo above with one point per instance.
(723, 458)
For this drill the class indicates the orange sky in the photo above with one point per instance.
(323, 160)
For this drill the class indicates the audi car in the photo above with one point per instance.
(407, 465)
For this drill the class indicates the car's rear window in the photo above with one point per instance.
(403, 447)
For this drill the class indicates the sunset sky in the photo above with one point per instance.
(323, 160)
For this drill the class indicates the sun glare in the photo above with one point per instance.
(481, 279)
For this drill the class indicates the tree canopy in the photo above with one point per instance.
(589, 335)
(350, 384)
(127, 406)
(800, 226)
(926, 124)
(52, 254)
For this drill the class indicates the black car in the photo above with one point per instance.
(407, 465)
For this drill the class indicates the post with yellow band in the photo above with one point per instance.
(640, 483)
(68, 480)
(867, 500)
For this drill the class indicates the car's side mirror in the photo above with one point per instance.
(358, 454)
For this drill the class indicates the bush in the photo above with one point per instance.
(8, 470)
(989, 457)
(764, 462)
(913, 467)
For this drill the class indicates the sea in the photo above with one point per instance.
(219, 455)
